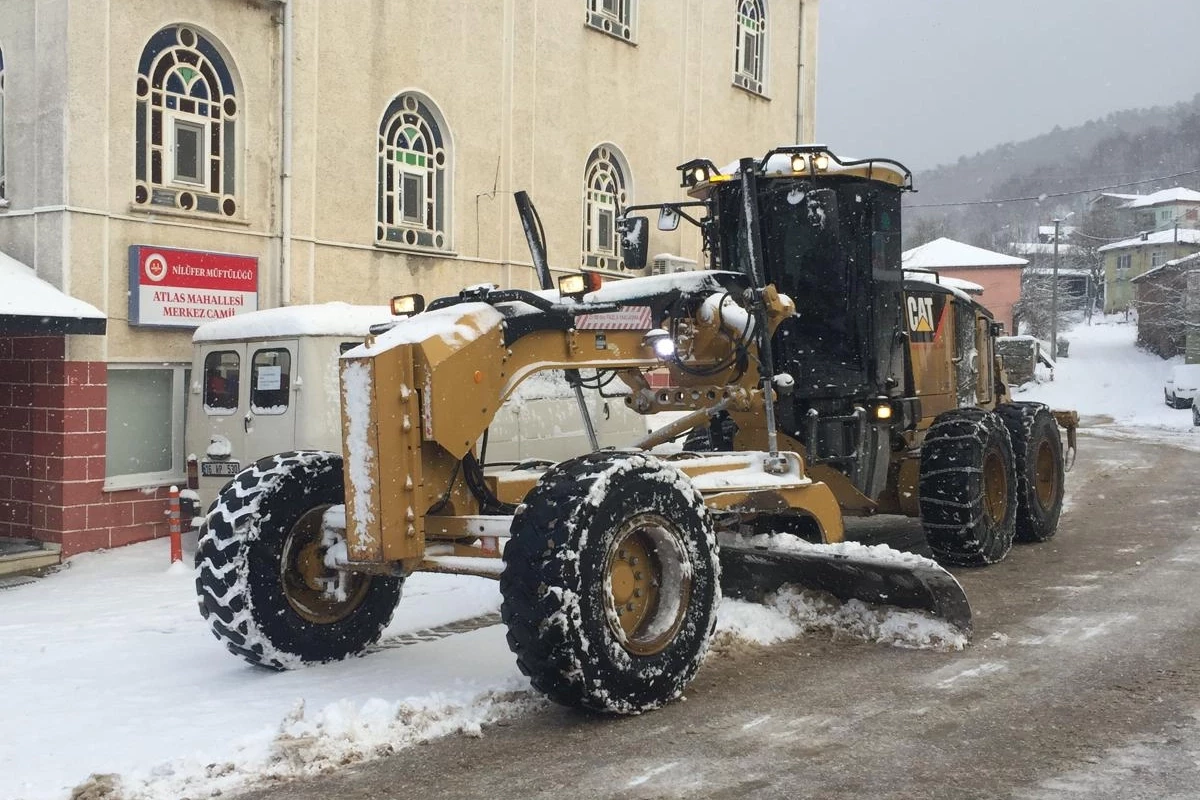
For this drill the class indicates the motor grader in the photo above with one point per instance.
(815, 380)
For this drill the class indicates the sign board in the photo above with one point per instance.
(186, 288)
(626, 318)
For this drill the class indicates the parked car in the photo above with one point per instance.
(1183, 382)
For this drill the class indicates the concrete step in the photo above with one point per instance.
(19, 556)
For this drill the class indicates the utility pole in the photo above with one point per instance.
(1054, 297)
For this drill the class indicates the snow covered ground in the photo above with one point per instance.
(111, 672)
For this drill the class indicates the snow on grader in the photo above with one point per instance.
(817, 380)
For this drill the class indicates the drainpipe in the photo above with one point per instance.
(800, 76)
(285, 160)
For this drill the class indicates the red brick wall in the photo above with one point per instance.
(52, 454)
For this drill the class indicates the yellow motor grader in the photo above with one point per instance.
(815, 379)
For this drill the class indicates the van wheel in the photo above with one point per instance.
(968, 488)
(1038, 457)
(611, 583)
(261, 579)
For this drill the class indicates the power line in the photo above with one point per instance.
(1048, 195)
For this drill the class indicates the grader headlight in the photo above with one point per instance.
(660, 342)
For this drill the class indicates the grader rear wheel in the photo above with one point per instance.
(611, 583)
(1038, 456)
(968, 489)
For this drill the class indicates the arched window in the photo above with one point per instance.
(751, 50)
(606, 183)
(186, 124)
(414, 191)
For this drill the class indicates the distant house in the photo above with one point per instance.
(1167, 307)
(1073, 280)
(1164, 209)
(1129, 258)
(1151, 212)
(998, 274)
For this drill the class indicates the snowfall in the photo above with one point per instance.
(116, 688)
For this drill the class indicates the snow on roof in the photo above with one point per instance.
(1176, 195)
(1116, 196)
(1186, 261)
(24, 294)
(957, 285)
(1186, 236)
(325, 319)
(1040, 248)
(1063, 272)
(946, 253)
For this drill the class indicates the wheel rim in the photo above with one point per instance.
(647, 584)
(995, 487)
(305, 577)
(1046, 477)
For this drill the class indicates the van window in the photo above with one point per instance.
(221, 382)
(270, 373)
(346, 347)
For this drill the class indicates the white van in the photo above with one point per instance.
(267, 381)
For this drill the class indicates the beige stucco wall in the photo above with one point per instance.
(525, 88)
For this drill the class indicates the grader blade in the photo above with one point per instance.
(750, 572)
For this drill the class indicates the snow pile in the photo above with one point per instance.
(305, 744)
(793, 612)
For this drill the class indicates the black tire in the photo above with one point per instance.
(1038, 458)
(968, 490)
(1195, 414)
(255, 545)
(570, 583)
(717, 436)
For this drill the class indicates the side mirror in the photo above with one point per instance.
(635, 240)
(668, 219)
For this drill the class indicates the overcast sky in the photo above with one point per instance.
(927, 81)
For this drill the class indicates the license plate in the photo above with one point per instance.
(221, 469)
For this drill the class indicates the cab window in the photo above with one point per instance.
(221, 369)
(270, 373)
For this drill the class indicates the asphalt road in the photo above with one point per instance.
(1082, 681)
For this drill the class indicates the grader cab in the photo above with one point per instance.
(805, 400)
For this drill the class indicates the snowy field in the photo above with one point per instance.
(114, 680)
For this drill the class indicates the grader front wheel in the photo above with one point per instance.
(611, 583)
(261, 578)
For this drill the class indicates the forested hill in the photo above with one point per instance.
(1120, 150)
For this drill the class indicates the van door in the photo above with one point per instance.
(270, 420)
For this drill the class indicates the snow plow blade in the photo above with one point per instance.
(911, 582)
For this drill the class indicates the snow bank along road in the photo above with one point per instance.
(1082, 681)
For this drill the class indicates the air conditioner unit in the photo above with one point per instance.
(665, 263)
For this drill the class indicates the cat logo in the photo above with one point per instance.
(921, 318)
